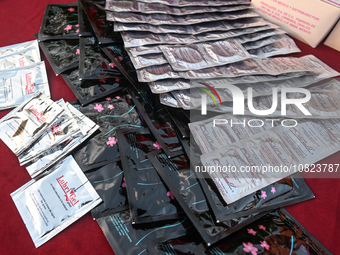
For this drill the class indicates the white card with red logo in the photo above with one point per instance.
(55, 200)
(19, 84)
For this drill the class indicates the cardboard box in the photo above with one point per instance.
(333, 40)
(307, 20)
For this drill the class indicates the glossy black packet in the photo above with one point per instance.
(93, 63)
(114, 112)
(177, 243)
(185, 187)
(288, 191)
(118, 55)
(149, 198)
(91, 90)
(278, 232)
(62, 55)
(130, 239)
(108, 181)
(103, 29)
(180, 119)
(60, 21)
(158, 120)
(85, 28)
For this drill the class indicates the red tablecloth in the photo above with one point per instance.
(20, 21)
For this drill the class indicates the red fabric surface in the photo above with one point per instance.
(21, 19)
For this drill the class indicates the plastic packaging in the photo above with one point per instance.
(61, 130)
(115, 111)
(18, 85)
(60, 21)
(147, 60)
(186, 189)
(280, 147)
(85, 28)
(138, 39)
(167, 85)
(282, 47)
(103, 28)
(158, 121)
(265, 41)
(177, 243)
(94, 64)
(199, 28)
(130, 239)
(149, 198)
(62, 54)
(118, 55)
(50, 157)
(204, 55)
(276, 233)
(91, 90)
(322, 104)
(19, 59)
(27, 122)
(54, 201)
(271, 66)
(164, 19)
(182, 3)
(10, 49)
(290, 190)
(149, 8)
(108, 182)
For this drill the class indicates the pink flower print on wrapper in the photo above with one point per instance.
(169, 194)
(70, 9)
(77, 51)
(68, 27)
(110, 106)
(108, 98)
(117, 80)
(124, 183)
(112, 65)
(264, 194)
(77, 31)
(77, 25)
(104, 81)
(98, 107)
(265, 245)
(262, 227)
(273, 190)
(251, 231)
(112, 141)
(157, 145)
(117, 97)
(249, 247)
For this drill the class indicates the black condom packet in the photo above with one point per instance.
(180, 119)
(130, 239)
(277, 232)
(89, 90)
(118, 55)
(108, 181)
(114, 112)
(158, 120)
(186, 188)
(85, 28)
(288, 191)
(103, 29)
(177, 243)
(94, 64)
(60, 21)
(149, 198)
(62, 54)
